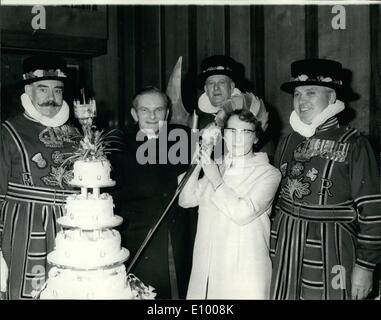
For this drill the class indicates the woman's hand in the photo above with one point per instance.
(362, 281)
(210, 167)
(4, 273)
(210, 134)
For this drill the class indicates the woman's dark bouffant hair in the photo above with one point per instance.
(247, 116)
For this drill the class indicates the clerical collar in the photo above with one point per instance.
(149, 134)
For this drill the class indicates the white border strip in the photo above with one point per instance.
(189, 2)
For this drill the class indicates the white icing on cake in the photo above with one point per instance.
(97, 284)
(92, 173)
(88, 249)
(88, 259)
(89, 212)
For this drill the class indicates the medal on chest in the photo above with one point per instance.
(55, 137)
(325, 149)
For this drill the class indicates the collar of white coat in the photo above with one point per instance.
(204, 103)
(308, 130)
(58, 120)
(242, 162)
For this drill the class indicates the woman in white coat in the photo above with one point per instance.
(231, 258)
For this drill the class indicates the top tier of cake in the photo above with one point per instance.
(92, 174)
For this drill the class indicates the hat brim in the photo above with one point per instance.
(31, 80)
(289, 87)
(203, 76)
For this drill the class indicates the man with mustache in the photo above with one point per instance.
(326, 231)
(33, 185)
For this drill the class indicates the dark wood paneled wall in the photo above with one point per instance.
(264, 39)
(375, 77)
(284, 43)
(352, 48)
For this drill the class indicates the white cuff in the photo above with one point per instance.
(3, 273)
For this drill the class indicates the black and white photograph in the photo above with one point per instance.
(199, 151)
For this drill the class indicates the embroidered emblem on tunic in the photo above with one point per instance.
(55, 137)
(326, 149)
(312, 174)
(57, 157)
(297, 169)
(39, 160)
(297, 187)
(56, 175)
(283, 169)
(326, 184)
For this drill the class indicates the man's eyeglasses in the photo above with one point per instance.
(246, 132)
(158, 111)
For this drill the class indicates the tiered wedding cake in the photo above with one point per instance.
(87, 262)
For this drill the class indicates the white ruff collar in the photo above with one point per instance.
(308, 130)
(58, 120)
(204, 103)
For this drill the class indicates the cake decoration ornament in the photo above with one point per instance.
(93, 144)
(86, 112)
(139, 290)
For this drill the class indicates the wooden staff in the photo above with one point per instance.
(168, 207)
